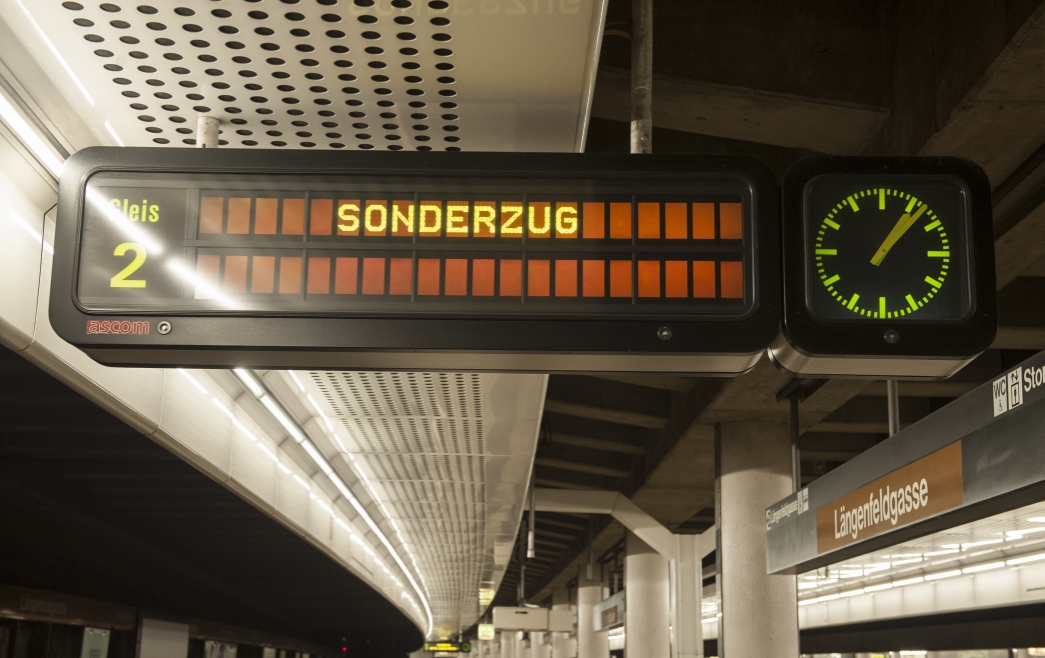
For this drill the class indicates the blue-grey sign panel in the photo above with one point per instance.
(1001, 430)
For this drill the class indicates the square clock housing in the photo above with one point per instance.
(888, 267)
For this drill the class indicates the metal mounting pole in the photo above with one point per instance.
(796, 459)
(522, 580)
(892, 391)
(591, 547)
(641, 76)
(207, 132)
(531, 550)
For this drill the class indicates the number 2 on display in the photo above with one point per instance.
(121, 280)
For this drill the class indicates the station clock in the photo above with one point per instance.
(888, 267)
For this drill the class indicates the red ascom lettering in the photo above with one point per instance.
(118, 326)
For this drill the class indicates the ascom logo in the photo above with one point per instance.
(118, 327)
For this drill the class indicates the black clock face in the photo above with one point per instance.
(891, 249)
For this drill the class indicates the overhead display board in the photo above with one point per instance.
(448, 646)
(540, 262)
(888, 267)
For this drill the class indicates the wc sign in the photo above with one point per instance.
(1008, 392)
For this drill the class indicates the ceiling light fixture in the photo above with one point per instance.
(1025, 559)
(112, 132)
(983, 567)
(30, 230)
(257, 387)
(986, 542)
(948, 551)
(28, 137)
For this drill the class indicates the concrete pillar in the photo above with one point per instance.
(647, 601)
(536, 644)
(688, 638)
(590, 644)
(759, 612)
(162, 639)
(560, 640)
(508, 644)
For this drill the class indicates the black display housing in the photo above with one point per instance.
(687, 345)
(902, 348)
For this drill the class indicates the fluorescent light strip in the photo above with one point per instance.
(362, 476)
(944, 574)
(908, 581)
(1026, 559)
(113, 133)
(948, 551)
(278, 414)
(313, 453)
(1013, 535)
(32, 141)
(249, 381)
(986, 542)
(30, 230)
(338, 483)
(297, 381)
(983, 567)
(200, 387)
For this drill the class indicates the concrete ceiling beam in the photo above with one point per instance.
(579, 467)
(1020, 338)
(827, 455)
(745, 114)
(608, 415)
(924, 389)
(678, 384)
(561, 484)
(597, 444)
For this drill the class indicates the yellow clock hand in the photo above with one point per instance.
(906, 221)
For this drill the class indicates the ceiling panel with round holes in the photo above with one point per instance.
(339, 74)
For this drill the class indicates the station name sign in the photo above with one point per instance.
(976, 457)
(537, 262)
(924, 488)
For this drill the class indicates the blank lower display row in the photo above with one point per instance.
(431, 279)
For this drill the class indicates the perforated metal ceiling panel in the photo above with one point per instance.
(448, 457)
(505, 75)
